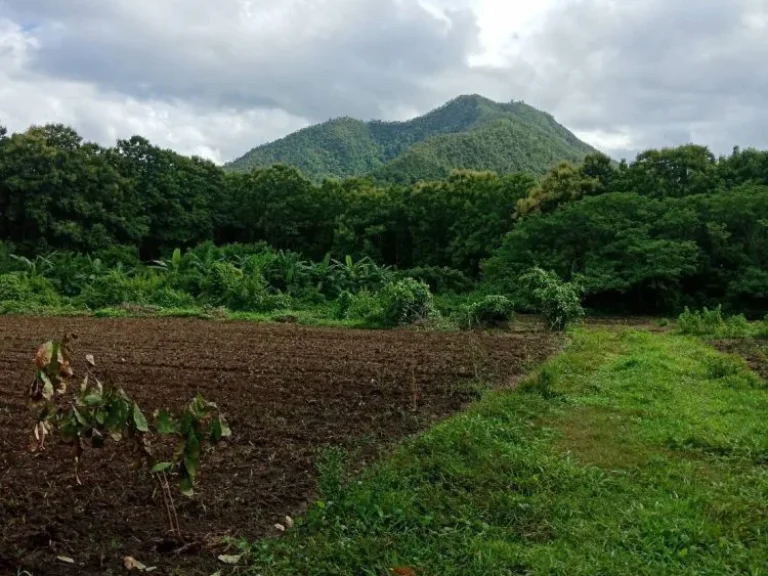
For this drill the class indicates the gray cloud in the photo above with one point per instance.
(662, 72)
(216, 78)
(312, 58)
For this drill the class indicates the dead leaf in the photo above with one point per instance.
(66, 559)
(230, 558)
(131, 563)
(280, 527)
(403, 571)
(90, 360)
(288, 522)
(44, 355)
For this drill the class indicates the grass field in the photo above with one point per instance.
(630, 453)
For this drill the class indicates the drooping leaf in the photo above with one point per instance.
(226, 431)
(139, 419)
(191, 455)
(79, 417)
(47, 386)
(186, 487)
(219, 429)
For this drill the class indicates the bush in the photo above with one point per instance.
(227, 285)
(22, 288)
(491, 311)
(343, 304)
(558, 301)
(115, 288)
(708, 322)
(406, 301)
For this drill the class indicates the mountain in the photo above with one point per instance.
(469, 132)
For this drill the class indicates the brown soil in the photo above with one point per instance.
(287, 392)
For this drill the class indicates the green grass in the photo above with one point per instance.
(630, 453)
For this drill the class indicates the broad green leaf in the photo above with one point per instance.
(226, 432)
(139, 419)
(219, 429)
(162, 466)
(165, 423)
(47, 385)
(176, 259)
(79, 417)
(192, 455)
(93, 400)
(215, 430)
(100, 416)
(117, 416)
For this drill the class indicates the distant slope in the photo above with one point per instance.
(469, 132)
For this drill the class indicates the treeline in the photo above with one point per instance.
(674, 227)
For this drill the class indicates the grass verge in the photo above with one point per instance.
(630, 453)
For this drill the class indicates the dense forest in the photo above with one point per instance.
(674, 227)
(469, 132)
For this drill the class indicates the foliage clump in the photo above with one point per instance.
(407, 301)
(558, 301)
(712, 322)
(491, 311)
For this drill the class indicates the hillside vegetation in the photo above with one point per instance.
(81, 224)
(470, 132)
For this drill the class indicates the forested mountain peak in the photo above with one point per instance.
(468, 132)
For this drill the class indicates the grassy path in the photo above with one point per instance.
(630, 453)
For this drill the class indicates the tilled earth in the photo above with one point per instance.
(287, 392)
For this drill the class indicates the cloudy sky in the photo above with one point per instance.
(217, 77)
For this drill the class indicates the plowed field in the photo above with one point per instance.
(287, 393)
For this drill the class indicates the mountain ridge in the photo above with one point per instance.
(468, 132)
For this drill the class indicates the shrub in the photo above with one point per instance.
(167, 297)
(343, 304)
(406, 301)
(22, 288)
(366, 306)
(115, 288)
(227, 285)
(558, 301)
(490, 311)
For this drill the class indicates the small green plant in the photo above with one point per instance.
(543, 383)
(491, 311)
(343, 304)
(558, 301)
(712, 322)
(86, 411)
(332, 465)
(407, 301)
